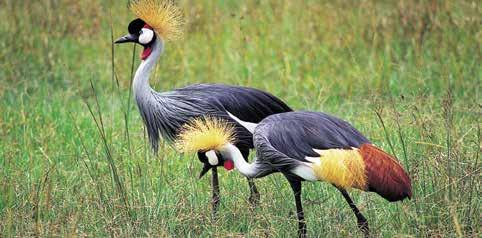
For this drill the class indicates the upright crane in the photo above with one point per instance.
(164, 113)
(306, 146)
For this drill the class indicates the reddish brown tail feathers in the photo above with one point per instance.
(385, 175)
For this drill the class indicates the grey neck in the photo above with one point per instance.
(141, 86)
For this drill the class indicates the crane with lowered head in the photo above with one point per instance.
(305, 146)
(164, 113)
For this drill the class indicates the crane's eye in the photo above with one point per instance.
(146, 35)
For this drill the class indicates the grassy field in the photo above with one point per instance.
(74, 159)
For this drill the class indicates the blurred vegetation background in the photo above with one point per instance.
(74, 160)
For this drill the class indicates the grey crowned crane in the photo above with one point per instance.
(306, 146)
(164, 113)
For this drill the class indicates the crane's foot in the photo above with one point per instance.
(362, 221)
(302, 229)
(215, 206)
(254, 196)
(254, 200)
(363, 226)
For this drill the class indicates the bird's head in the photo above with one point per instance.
(158, 20)
(140, 33)
(207, 135)
(211, 159)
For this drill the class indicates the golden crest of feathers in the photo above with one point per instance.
(203, 134)
(162, 15)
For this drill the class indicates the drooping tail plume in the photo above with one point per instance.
(385, 175)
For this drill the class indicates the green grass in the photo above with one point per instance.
(406, 74)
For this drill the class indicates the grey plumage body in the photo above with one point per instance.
(284, 140)
(165, 113)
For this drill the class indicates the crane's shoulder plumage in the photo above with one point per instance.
(296, 134)
(171, 110)
(248, 104)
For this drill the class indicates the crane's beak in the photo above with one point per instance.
(205, 169)
(127, 38)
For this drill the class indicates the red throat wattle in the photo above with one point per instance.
(228, 165)
(146, 52)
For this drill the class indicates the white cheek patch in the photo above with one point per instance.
(146, 36)
(212, 157)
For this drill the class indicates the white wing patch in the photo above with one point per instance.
(314, 160)
(248, 125)
(322, 152)
(305, 171)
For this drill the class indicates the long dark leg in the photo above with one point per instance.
(214, 181)
(215, 185)
(296, 186)
(254, 196)
(362, 221)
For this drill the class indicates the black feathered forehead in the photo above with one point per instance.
(135, 26)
